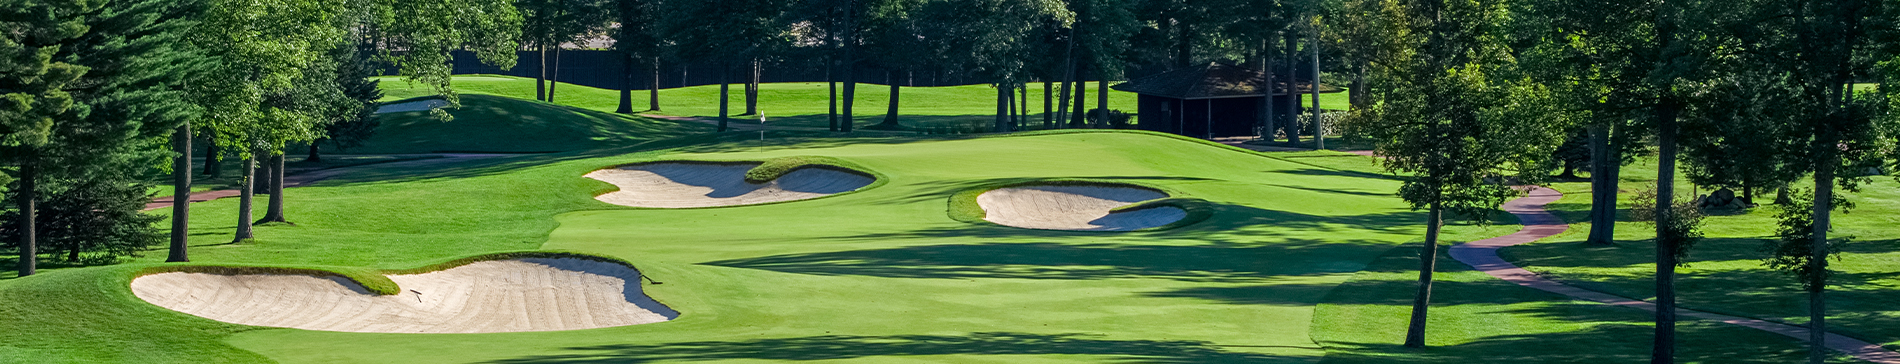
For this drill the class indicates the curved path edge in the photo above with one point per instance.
(1540, 223)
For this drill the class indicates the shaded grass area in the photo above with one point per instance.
(488, 123)
(1476, 318)
(795, 104)
(1725, 272)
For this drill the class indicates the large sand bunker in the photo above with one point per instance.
(1075, 208)
(682, 185)
(532, 294)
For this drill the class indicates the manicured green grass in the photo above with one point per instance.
(1725, 272)
(792, 104)
(880, 275)
(487, 123)
(230, 176)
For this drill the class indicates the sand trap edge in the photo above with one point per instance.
(374, 280)
(828, 163)
(963, 206)
(373, 275)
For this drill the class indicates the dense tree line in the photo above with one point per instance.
(93, 93)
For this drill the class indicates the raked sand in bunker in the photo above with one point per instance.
(1079, 207)
(532, 294)
(686, 185)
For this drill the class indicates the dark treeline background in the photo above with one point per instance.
(602, 69)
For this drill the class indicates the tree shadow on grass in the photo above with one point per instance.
(1214, 262)
(1602, 343)
(837, 347)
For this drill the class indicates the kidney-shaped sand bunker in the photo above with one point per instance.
(683, 185)
(1076, 207)
(531, 294)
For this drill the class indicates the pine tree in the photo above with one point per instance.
(33, 95)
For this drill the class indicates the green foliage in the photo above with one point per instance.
(430, 29)
(1455, 118)
(1793, 251)
(991, 37)
(1685, 221)
(354, 73)
(32, 82)
(774, 168)
(92, 221)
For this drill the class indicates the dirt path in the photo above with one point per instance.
(1539, 223)
(301, 178)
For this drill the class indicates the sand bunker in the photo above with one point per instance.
(1075, 208)
(681, 185)
(535, 294)
(423, 105)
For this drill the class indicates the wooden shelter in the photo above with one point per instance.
(1212, 101)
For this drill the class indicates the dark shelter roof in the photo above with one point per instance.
(1212, 81)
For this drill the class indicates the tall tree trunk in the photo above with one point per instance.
(1270, 118)
(1602, 191)
(1080, 118)
(1002, 109)
(1048, 98)
(850, 63)
(1319, 125)
(1291, 125)
(890, 114)
(834, 97)
(1818, 249)
(541, 73)
(181, 194)
(1184, 47)
(212, 167)
(752, 88)
(315, 155)
(1022, 121)
(725, 95)
(1427, 263)
(1664, 350)
(1101, 99)
(276, 211)
(245, 199)
(1359, 94)
(653, 90)
(555, 79)
(29, 219)
(626, 85)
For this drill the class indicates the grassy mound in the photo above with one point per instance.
(504, 125)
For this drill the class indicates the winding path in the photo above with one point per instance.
(1539, 223)
(306, 177)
